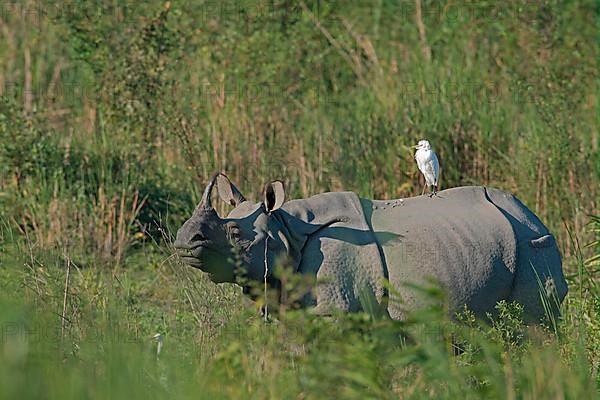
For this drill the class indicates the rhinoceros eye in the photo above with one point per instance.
(234, 231)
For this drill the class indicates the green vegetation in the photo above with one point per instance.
(113, 115)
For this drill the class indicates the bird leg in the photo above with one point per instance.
(434, 192)
(424, 186)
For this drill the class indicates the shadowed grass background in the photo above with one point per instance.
(113, 116)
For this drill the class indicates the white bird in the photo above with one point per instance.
(428, 164)
(158, 338)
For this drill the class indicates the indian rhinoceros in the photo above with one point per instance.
(481, 244)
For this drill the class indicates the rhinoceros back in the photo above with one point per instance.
(459, 239)
(483, 245)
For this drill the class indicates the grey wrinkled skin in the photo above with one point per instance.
(481, 244)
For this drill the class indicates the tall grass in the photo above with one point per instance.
(215, 347)
(111, 122)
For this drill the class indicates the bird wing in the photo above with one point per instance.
(430, 168)
(435, 165)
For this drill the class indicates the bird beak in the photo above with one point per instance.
(416, 146)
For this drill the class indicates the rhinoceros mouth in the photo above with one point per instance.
(191, 260)
(192, 256)
(193, 251)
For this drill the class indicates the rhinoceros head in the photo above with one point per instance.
(220, 246)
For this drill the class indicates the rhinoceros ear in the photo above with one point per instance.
(274, 195)
(228, 192)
